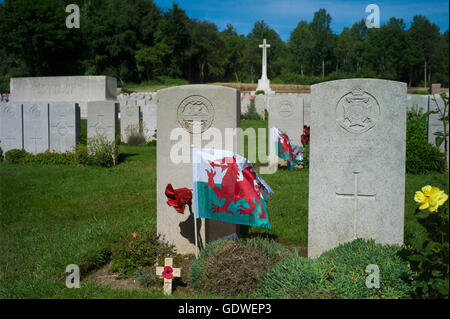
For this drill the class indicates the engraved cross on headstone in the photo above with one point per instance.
(355, 196)
(168, 272)
(99, 126)
(35, 139)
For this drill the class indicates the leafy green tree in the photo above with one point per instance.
(173, 31)
(206, 51)
(301, 46)
(233, 54)
(425, 35)
(321, 31)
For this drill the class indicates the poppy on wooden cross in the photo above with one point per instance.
(168, 272)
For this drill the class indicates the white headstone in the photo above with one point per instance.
(36, 137)
(180, 108)
(245, 103)
(417, 101)
(103, 119)
(149, 119)
(306, 108)
(11, 126)
(434, 122)
(357, 163)
(260, 105)
(286, 113)
(129, 119)
(64, 126)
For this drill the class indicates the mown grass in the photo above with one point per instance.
(53, 216)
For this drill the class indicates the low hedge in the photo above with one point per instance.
(232, 268)
(340, 273)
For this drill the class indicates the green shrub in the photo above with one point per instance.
(16, 156)
(295, 277)
(81, 154)
(134, 136)
(260, 92)
(340, 272)
(251, 113)
(102, 152)
(305, 156)
(232, 268)
(137, 250)
(1, 154)
(431, 261)
(99, 155)
(346, 265)
(421, 156)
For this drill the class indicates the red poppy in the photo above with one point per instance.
(167, 272)
(305, 135)
(178, 198)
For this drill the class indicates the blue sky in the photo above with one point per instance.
(283, 15)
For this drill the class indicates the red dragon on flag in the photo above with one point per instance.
(227, 188)
(234, 190)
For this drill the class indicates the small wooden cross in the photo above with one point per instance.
(168, 272)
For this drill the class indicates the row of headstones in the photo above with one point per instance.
(291, 111)
(138, 114)
(357, 159)
(37, 127)
(56, 126)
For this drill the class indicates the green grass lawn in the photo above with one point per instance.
(53, 216)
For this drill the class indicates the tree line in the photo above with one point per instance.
(135, 41)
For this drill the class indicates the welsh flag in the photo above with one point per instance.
(227, 188)
(285, 149)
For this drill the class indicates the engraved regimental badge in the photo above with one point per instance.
(286, 109)
(357, 111)
(195, 110)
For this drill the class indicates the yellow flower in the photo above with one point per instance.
(438, 198)
(419, 197)
(425, 204)
(430, 198)
(427, 190)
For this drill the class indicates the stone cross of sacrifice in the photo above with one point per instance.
(168, 272)
(264, 46)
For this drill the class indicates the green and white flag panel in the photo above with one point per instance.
(227, 188)
(285, 149)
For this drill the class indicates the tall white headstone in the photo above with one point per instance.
(286, 113)
(103, 120)
(179, 110)
(260, 105)
(357, 163)
(149, 115)
(11, 126)
(129, 119)
(434, 123)
(36, 137)
(64, 126)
